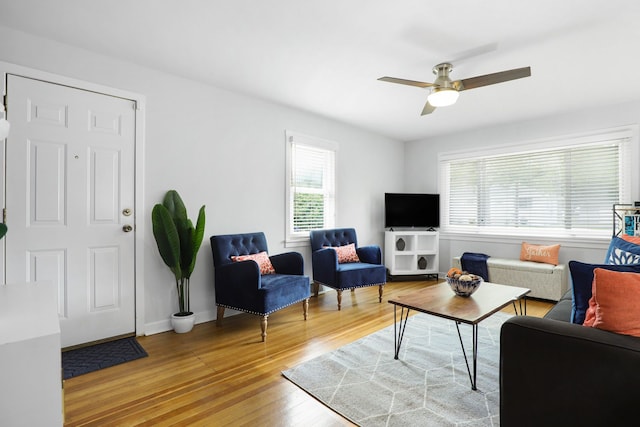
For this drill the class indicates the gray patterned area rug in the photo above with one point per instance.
(427, 386)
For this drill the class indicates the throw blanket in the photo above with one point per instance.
(476, 264)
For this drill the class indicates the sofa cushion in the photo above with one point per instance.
(562, 309)
(539, 253)
(582, 280)
(622, 252)
(615, 302)
(261, 258)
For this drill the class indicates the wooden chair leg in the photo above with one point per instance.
(305, 308)
(263, 325)
(380, 291)
(220, 315)
(339, 299)
(316, 289)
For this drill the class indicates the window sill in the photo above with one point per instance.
(297, 242)
(591, 241)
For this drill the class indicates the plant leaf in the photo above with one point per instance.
(185, 232)
(198, 235)
(174, 204)
(167, 238)
(186, 248)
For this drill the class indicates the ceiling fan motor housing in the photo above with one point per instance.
(442, 72)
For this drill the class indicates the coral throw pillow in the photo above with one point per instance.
(582, 285)
(631, 239)
(615, 302)
(538, 253)
(261, 258)
(346, 253)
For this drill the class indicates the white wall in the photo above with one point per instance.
(421, 174)
(226, 151)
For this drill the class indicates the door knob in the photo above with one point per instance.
(127, 228)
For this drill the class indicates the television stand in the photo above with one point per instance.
(411, 253)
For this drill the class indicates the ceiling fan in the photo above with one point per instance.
(445, 92)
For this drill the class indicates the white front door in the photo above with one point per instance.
(70, 200)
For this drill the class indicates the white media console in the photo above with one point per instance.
(409, 252)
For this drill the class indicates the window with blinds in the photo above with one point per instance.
(561, 188)
(310, 185)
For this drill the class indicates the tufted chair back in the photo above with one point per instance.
(228, 245)
(333, 237)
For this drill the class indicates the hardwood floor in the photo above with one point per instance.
(216, 376)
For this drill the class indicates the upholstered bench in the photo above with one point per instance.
(546, 281)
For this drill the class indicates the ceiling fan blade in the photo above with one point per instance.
(491, 79)
(464, 55)
(405, 82)
(428, 109)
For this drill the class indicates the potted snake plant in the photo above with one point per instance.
(178, 243)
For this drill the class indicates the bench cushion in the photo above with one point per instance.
(514, 264)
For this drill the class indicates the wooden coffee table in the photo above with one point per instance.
(439, 300)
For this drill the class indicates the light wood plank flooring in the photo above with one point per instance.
(217, 376)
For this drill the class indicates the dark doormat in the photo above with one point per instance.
(100, 356)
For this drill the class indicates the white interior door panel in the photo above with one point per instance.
(70, 191)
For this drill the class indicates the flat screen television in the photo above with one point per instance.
(411, 210)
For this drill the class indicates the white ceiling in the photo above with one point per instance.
(325, 56)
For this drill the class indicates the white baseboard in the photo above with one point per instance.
(165, 325)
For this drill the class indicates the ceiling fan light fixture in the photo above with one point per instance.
(443, 97)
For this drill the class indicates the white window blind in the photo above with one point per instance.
(568, 189)
(310, 185)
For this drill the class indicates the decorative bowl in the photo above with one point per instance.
(464, 288)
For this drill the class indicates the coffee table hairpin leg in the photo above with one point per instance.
(523, 310)
(398, 332)
(475, 353)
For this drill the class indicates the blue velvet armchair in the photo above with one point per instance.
(239, 285)
(350, 275)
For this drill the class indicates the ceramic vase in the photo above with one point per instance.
(422, 263)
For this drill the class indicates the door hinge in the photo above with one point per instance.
(4, 215)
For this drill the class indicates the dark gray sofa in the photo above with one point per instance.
(555, 373)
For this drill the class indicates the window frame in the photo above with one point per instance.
(630, 182)
(293, 239)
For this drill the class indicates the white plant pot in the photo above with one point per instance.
(183, 324)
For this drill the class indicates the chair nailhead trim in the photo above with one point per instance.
(260, 314)
(352, 287)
